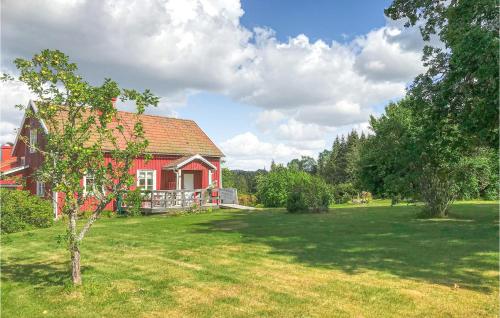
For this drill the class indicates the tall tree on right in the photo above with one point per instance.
(456, 99)
(461, 82)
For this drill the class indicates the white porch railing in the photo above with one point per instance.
(165, 199)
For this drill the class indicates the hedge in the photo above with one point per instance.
(20, 211)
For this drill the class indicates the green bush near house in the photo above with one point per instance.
(20, 211)
(133, 200)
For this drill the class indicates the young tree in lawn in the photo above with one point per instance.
(86, 137)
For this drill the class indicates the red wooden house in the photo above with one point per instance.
(183, 157)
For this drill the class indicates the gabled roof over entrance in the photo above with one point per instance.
(181, 162)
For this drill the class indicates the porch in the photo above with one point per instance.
(182, 183)
(160, 201)
(189, 173)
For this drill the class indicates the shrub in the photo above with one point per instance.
(366, 197)
(22, 211)
(107, 213)
(296, 201)
(343, 193)
(309, 194)
(133, 201)
(247, 199)
(273, 187)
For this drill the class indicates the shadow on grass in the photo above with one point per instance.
(38, 275)
(390, 240)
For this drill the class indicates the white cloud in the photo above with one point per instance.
(384, 58)
(296, 130)
(268, 118)
(246, 151)
(11, 94)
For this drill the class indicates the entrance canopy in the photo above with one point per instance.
(182, 162)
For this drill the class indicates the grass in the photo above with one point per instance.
(373, 261)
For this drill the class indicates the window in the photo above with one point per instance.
(33, 140)
(40, 189)
(88, 184)
(209, 178)
(146, 179)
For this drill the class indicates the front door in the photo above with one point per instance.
(188, 181)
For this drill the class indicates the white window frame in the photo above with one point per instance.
(40, 189)
(92, 191)
(33, 139)
(209, 178)
(146, 171)
(85, 190)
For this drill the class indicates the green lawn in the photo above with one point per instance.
(373, 261)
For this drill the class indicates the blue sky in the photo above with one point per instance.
(321, 19)
(267, 80)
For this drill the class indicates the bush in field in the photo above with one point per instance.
(247, 199)
(133, 201)
(296, 201)
(297, 190)
(309, 194)
(343, 193)
(363, 197)
(22, 211)
(366, 197)
(273, 187)
(477, 175)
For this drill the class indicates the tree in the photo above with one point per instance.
(322, 166)
(456, 99)
(86, 137)
(461, 82)
(273, 187)
(305, 163)
(352, 157)
(228, 178)
(388, 160)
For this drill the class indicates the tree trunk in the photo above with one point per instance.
(74, 249)
(75, 265)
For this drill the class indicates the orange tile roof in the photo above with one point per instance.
(165, 135)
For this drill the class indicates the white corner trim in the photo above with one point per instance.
(195, 157)
(16, 169)
(35, 108)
